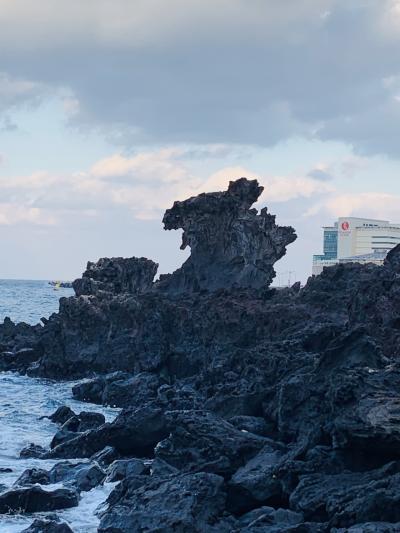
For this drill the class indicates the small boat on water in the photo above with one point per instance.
(60, 285)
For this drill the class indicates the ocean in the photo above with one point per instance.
(24, 400)
(29, 301)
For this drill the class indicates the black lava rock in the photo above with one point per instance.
(35, 499)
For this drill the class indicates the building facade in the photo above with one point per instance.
(360, 240)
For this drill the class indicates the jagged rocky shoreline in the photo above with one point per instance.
(245, 408)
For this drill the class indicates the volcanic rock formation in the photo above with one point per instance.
(116, 276)
(245, 408)
(231, 245)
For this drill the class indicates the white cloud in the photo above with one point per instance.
(368, 204)
(145, 184)
(15, 213)
(162, 165)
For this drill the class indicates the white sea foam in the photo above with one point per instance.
(23, 401)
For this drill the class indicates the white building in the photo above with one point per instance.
(359, 240)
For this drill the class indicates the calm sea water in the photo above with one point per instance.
(24, 400)
(29, 301)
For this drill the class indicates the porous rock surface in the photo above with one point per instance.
(245, 408)
(231, 245)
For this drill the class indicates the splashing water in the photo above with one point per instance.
(23, 400)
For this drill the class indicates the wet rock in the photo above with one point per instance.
(19, 360)
(88, 420)
(62, 436)
(123, 468)
(83, 476)
(35, 499)
(134, 432)
(19, 345)
(62, 414)
(92, 390)
(45, 525)
(128, 484)
(116, 275)
(85, 421)
(106, 456)
(32, 476)
(33, 450)
(181, 503)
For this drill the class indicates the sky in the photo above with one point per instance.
(110, 111)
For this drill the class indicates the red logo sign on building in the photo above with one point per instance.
(345, 226)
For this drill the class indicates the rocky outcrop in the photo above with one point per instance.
(35, 499)
(20, 345)
(115, 276)
(48, 525)
(231, 245)
(158, 504)
(245, 408)
(134, 432)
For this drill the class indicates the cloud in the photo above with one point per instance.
(320, 174)
(368, 204)
(144, 185)
(15, 213)
(162, 165)
(221, 72)
(15, 91)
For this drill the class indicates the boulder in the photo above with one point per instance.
(61, 415)
(61, 436)
(256, 483)
(35, 499)
(134, 432)
(200, 441)
(191, 502)
(92, 390)
(119, 389)
(105, 456)
(31, 476)
(44, 525)
(83, 476)
(33, 451)
(123, 468)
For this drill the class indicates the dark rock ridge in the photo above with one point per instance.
(116, 276)
(245, 408)
(35, 499)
